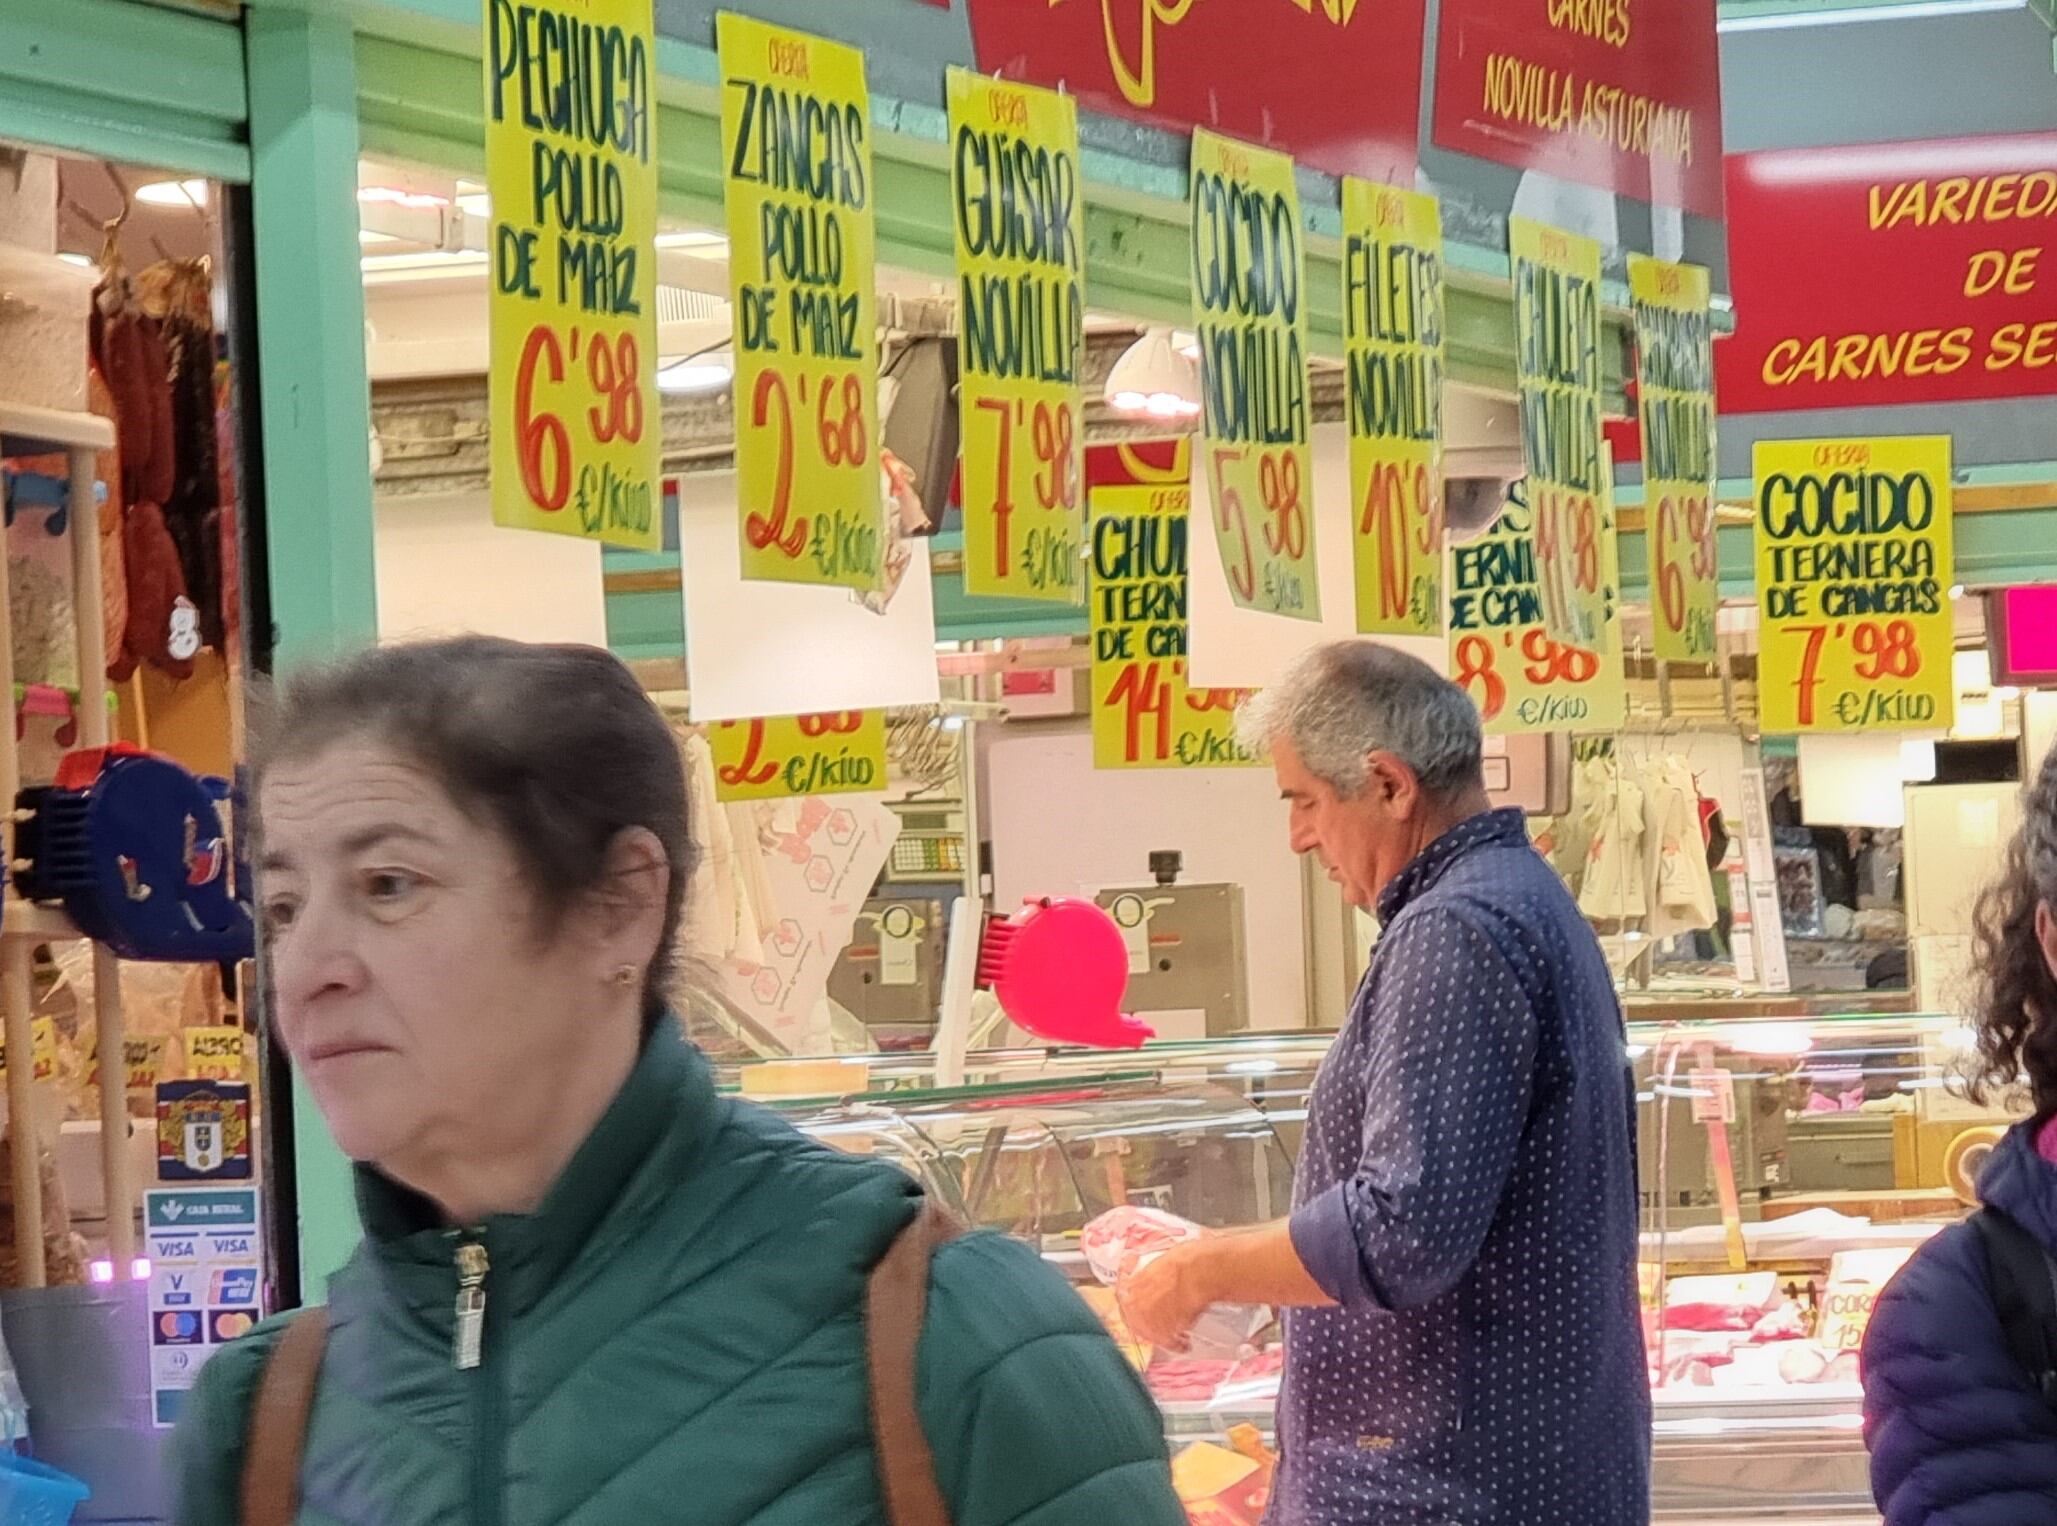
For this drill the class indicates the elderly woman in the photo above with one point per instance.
(590, 1289)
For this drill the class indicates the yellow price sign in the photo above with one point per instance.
(144, 1061)
(1675, 389)
(43, 1036)
(1856, 555)
(571, 165)
(1393, 307)
(1558, 370)
(840, 753)
(1020, 218)
(1145, 715)
(1521, 677)
(796, 151)
(1250, 310)
(213, 1053)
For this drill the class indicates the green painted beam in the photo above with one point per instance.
(315, 404)
(115, 79)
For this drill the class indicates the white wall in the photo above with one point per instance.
(445, 568)
(1061, 827)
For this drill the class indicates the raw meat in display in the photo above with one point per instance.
(1124, 1240)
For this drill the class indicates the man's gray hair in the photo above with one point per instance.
(1342, 702)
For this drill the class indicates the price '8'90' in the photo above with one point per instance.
(542, 439)
(1548, 662)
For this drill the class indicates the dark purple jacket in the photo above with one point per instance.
(1958, 1434)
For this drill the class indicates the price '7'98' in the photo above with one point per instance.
(543, 440)
(1053, 432)
(1884, 649)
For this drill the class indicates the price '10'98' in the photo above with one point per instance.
(1397, 496)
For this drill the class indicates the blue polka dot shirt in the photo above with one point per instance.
(1467, 1194)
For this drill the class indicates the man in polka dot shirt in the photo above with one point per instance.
(1463, 1346)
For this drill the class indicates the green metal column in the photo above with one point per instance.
(316, 411)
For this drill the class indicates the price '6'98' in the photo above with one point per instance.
(599, 375)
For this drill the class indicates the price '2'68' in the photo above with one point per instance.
(840, 439)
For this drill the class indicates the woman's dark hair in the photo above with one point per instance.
(555, 747)
(2016, 1013)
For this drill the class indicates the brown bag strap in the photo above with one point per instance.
(278, 1422)
(895, 1302)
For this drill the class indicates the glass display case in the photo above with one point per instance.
(1789, 1165)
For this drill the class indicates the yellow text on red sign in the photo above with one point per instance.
(1856, 555)
(839, 753)
(572, 172)
(1144, 713)
(796, 151)
(1250, 310)
(1521, 677)
(1675, 387)
(1020, 218)
(1393, 309)
(1558, 370)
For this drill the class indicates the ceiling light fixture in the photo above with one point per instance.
(1153, 379)
(174, 193)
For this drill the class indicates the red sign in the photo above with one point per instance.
(1892, 273)
(1335, 83)
(1620, 94)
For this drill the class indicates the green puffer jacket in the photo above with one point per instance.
(677, 1336)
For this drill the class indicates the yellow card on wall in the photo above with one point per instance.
(1021, 229)
(1393, 337)
(1856, 554)
(840, 753)
(1675, 393)
(1250, 310)
(1144, 714)
(213, 1053)
(1558, 370)
(1521, 677)
(796, 151)
(576, 427)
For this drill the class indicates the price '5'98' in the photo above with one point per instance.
(613, 377)
(1284, 532)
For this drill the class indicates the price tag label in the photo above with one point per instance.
(1393, 336)
(1558, 370)
(43, 1035)
(1675, 391)
(1144, 713)
(572, 172)
(1855, 558)
(841, 753)
(1249, 308)
(213, 1054)
(1714, 1095)
(796, 150)
(1020, 218)
(1521, 677)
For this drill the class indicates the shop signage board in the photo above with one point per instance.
(1889, 273)
(572, 388)
(1144, 714)
(1558, 370)
(796, 154)
(1521, 677)
(840, 753)
(1393, 311)
(1619, 94)
(206, 1250)
(1020, 221)
(1250, 311)
(1675, 387)
(1855, 560)
(1337, 85)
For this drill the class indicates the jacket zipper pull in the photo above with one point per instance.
(472, 1267)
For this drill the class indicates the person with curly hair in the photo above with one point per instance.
(1960, 1430)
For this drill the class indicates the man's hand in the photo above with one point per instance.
(1165, 1298)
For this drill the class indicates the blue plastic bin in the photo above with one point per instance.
(34, 1495)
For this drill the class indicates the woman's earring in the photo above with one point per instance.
(625, 976)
